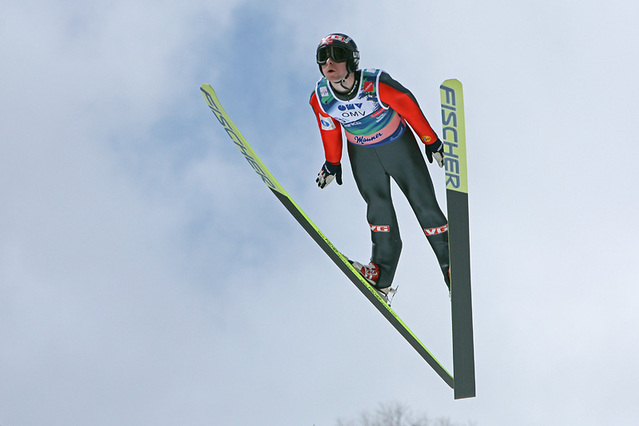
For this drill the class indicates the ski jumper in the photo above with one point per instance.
(380, 147)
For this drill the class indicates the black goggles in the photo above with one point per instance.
(336, 53)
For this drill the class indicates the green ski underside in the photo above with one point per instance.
(340, 260)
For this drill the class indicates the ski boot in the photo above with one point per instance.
(370, 273)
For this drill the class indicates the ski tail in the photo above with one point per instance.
(454, 135)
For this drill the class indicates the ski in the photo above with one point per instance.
(454, 138)
(335, 255)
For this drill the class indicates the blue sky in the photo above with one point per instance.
(148, 277)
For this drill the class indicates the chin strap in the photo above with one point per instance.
(341, 82)
(348, 89)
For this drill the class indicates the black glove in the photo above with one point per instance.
(436, 149)
(328, 173)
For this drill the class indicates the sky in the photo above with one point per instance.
(147, 276)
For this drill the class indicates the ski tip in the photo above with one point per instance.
(451, 82)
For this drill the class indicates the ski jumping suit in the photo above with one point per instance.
(380, 146)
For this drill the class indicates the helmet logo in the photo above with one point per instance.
(334, 37)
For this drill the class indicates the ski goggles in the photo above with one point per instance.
(336, 53)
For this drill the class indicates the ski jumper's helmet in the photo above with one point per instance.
(340, 48)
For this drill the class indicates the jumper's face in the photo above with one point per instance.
(334, 71)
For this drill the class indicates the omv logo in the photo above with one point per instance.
(352, 110)
(350, 107)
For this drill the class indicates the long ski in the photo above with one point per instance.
(338, 258)
(454, 135)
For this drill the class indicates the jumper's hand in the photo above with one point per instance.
(329, 172)
(435, 150)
